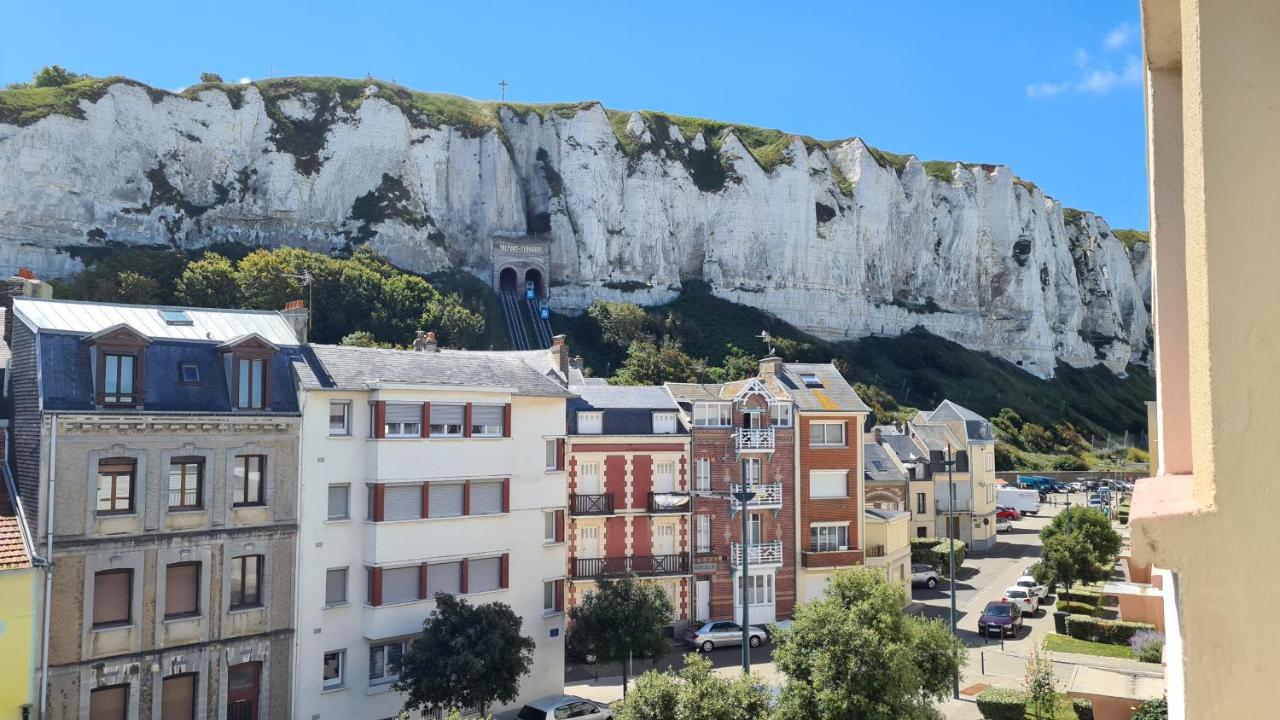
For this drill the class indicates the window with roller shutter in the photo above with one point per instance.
(484, 575)
(109, 703)
(402, 502)
(446, 420)
(339, 502)
(112, 597)
(403, 420)
(335, 587)
(182, 590)
(444, 578)
(486, 497)
(178, 697)
(399, 584)
(486, 420)
(445, 499)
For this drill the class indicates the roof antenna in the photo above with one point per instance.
(767, 339)
(305, 277)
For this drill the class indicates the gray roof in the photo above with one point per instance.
(693, 392)
(874, 513)
(835, 395)
(936, 437)
(877, 466)
(647, 397)
(207, 324)
(342, 367)
(904, 447)
(977, 428)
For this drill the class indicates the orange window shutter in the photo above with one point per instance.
(506, 420)
(379, 502)
(426, 420)
(506, 568)
(559, 453)
(559, 526)
(375, 586)
(559, 592)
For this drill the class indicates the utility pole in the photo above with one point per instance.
(744, 497)
(951, 557)
(502, 87)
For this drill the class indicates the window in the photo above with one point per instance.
(553, 455)
(712, 414)
(340, 418)
(703, 533)
(403, 420)
(550, 526)
(109, 703)
(664, 476)
(248, 487)
(178, 697)
(188, 373)
(484, 575)
(922, 532)
(826, 538)
(446, 420)
(810, 380)
(333, 662)
(445, 499)
(186, 479)
(828, 484)
(250, 376)
(384, 662)
(826, 434)
(175, 317)
(118, 378)
(664, 423)
(702, 478)
(759, 592)
(400, 584)
(751, 471)
(339, 502)
(590, 422)
(444, 578)
(552, 591)
(486, 420)
(780, 414)
(335, 587)
(115, 486)
(402, 502)
(182, 590)
(246, 591)
(486, 497)
(920, 500)
(112, 598)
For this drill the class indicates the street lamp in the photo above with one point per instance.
(951, 556)
(743, 497)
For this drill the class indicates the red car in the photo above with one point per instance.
(1008, 513)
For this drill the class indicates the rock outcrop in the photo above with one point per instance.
(837, 238)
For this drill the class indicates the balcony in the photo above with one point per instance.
(755, 439)
(642, 565)
(767, 496)
(963, 505)
(831, 558)
(874, 551)
(670, 502)
(591, 504)
(758, 554)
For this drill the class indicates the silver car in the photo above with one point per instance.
(558, 707)
(924, 575)
(722, 633)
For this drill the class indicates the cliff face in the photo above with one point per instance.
(836, 238)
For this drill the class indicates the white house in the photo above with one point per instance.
(422, 472)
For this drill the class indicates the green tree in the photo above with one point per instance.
(1035, 438)
(361, 338)
(1006, 424)
(696, 693)
(1068, 439)
(1007, 456)
(650, 364)
(263, 277)
(1092, 527)
(136, 289)
(620, 324)
(1040, 685)
(466, 656)
(454, 323)
(738, 365)
(853, 654)
(208, 77)
(55, 76)
(209, 282)
(622, 619)
(1065, 559)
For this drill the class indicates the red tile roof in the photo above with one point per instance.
(13, 552)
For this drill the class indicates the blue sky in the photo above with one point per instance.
(1052, 89)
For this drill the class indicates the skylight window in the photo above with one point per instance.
(810, 380)
(175, 317)
(190, 373)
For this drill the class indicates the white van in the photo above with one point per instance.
(1026, 502)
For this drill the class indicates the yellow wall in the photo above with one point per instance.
(17, 640)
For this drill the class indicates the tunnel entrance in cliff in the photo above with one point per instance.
(533, 281)
(507, 280)
(521, 265)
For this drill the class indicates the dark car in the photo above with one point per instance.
(1061, 488)
(1001, 617)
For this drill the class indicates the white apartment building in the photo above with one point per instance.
(422, 472)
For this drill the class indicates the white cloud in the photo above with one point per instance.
(244, 81)
(1097, 75)
(1045, 90)
(1120, 36)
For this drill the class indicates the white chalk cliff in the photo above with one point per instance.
(833, 238)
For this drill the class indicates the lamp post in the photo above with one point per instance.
(743, 497)
(951, 557)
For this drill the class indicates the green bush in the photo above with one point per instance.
(1153, 710)
(924, 550)
(943, 559)
(1115, 632)
(1002, 704)
(1083, 708)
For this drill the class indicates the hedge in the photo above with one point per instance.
(1002, 704)
(932, 551)
(1083, 708)
(1115, 632)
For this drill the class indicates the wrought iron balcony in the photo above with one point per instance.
(591, 504)
(670, 502)
(963, 505)
(755, 439)
(767, 496)
(768, 553)
(642, 565)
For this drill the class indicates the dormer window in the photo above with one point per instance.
(249, 383)
(119, 379)
(780, 414)
(248, 367)
(189, 373)
(118, 366)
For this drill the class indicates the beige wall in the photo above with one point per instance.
(1213, 105)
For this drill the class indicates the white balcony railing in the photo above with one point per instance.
(755, 439)
(769, 553)
(767, 496)
(963, 505)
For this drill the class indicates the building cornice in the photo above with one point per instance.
(177, 424)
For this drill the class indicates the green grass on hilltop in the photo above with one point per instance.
(1132, 237)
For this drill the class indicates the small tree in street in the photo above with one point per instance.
(696, 693)
(622, 619)
(1091, 526)
(1078, 545)
(1040, 685)
(467, 656)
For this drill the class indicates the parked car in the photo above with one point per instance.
(1003, 524)
(924, 575)
(1007, 513)
(1095, 502)
(1029, 583)
(772, 628)
(1001, 617)
(1024, 599)
(1077, 487)
(722, 633)
(553, 707)
(1061, 488)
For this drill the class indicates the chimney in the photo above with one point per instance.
(425, 342)
(575, 362)
(24, 284)
(769, 365)
(296, 314)
(560, 354)
(875, 433)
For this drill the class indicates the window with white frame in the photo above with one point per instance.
(550, 524)
(780, 414)
(702, 478)
(486, 420)
(590, 422)
(751, 471)
(828, 537)
(384, 661)
(703, 534)
(664, 476)
(333, 668)
(551, 596)
(483, 575)
(339, 502)
(446, 420)
(828, 483)
(712, 414)
(826, 434)
(760, 590)
(664, 423)
(340, 417)
(335, 587)
(403, 420)
(553, 455)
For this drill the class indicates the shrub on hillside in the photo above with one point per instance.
(1147, 645)
(1115, 632)
(1002, 704)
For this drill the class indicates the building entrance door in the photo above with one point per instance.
(702, 595)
